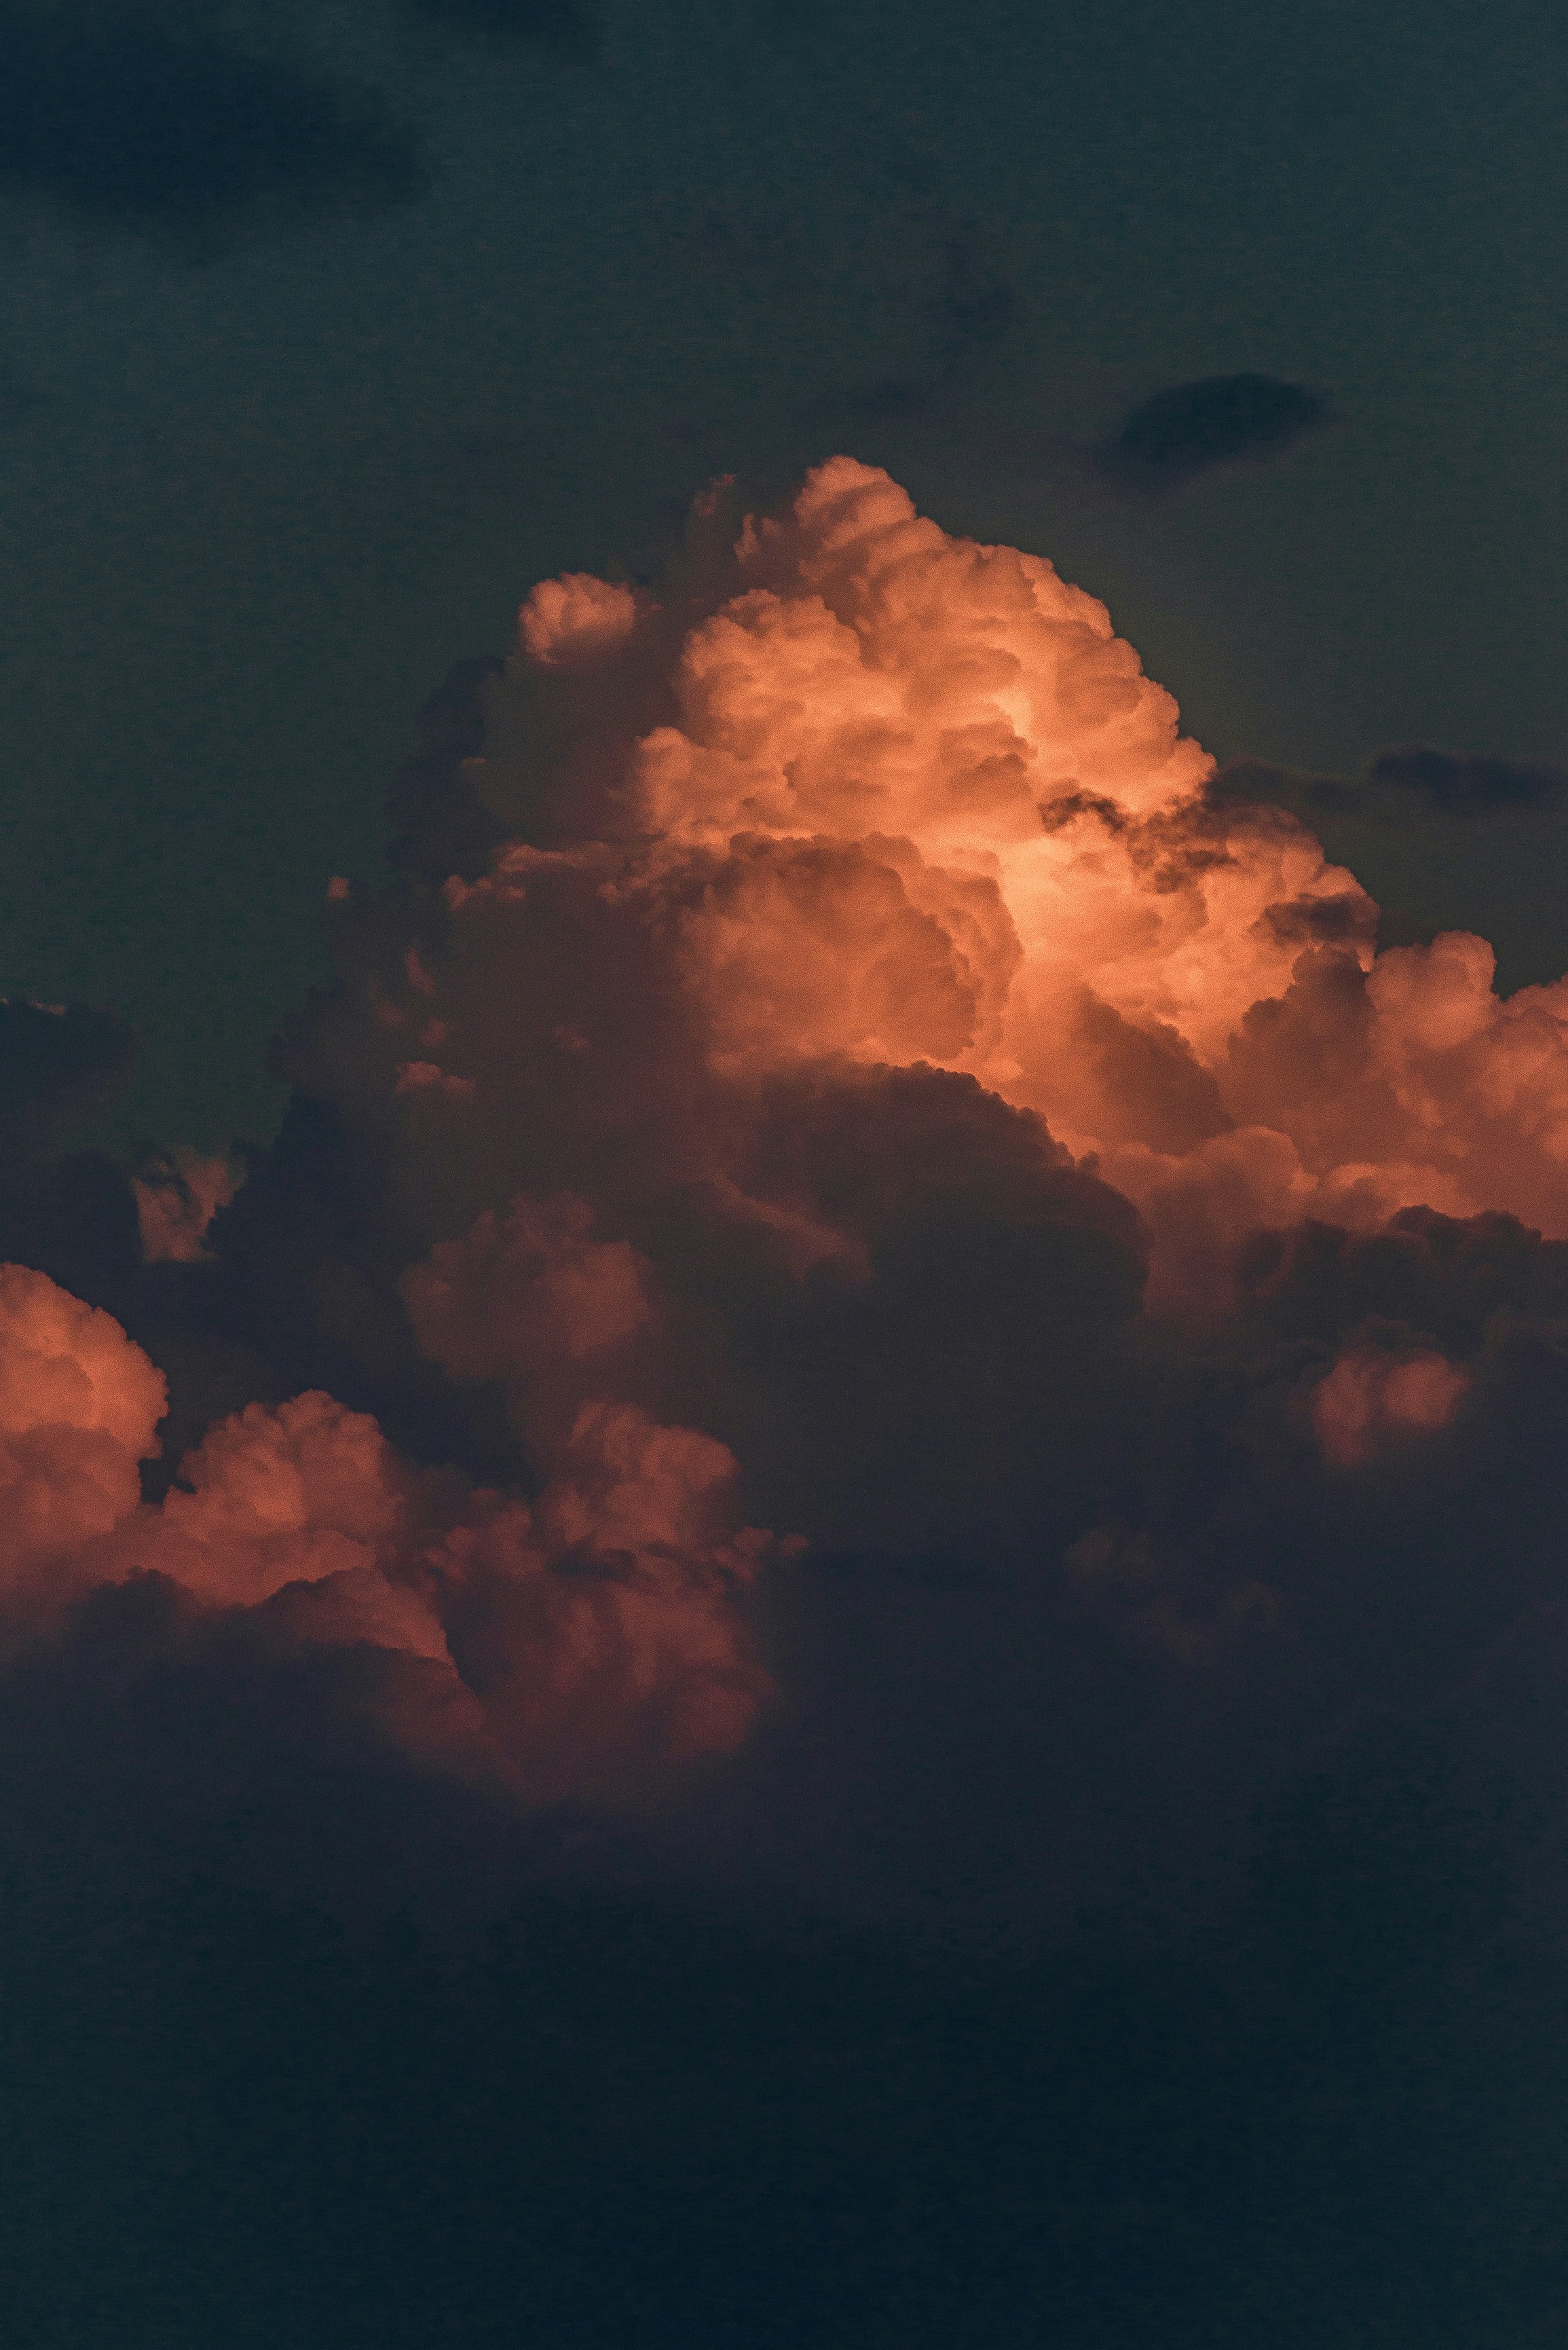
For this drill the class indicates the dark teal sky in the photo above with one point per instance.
(261, 480)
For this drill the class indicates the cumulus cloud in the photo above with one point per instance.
(831, 1059)
(894, 799)
(1184, 430)
(595, 1624)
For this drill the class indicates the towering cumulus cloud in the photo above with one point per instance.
(831, 1062)
(851, 1011)
(886, 800)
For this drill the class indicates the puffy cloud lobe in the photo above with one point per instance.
(599, 1627)
(614, 1593)
(601, 1618)
(524, 1292)
(573, 619)
(78, 1409)
(273, 1497)
(1371, 1400)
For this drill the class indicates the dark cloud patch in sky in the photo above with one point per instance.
(120, 118)
(1444, 840)
(1466, 783)
(1408, 784)
(1175, 434)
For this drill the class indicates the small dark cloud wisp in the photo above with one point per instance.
(1175, 434)
(1403, 785)
(1466, 783)
(120, 120)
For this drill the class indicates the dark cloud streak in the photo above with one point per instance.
(1464, 783)
(1185, 430)
(1408, 784)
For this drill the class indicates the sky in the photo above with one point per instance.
(783, 1259)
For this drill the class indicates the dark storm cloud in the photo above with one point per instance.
(1175, 434)
(129, 118)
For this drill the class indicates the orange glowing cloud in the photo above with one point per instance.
(901, 798)
(78, 1408)
(598, 1626)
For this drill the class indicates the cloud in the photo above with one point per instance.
(1370, 1400)
(870, 1084)
(121, 117)
(1466, 783)
(177, 1196)
(595, 1623)
(1404, 785)
(1175, 434)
